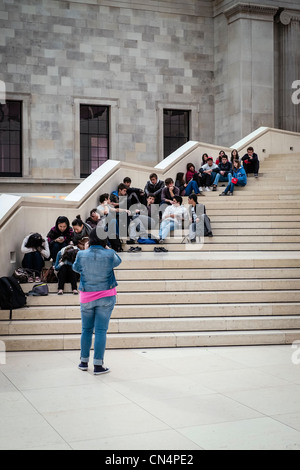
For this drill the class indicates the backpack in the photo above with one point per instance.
(39, 289)
(11, 294)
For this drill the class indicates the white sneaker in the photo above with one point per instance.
(200, 189)
(207, 188)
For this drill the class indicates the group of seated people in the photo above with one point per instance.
(61, 246)
(234, 172)
(149, 214)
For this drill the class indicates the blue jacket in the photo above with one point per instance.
(241, 175)
(96, 268)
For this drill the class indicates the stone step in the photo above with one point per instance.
(191, 274)
(165, 297)
(153, 325)
(154, 340)
(182, 284)
(171, 310)
(215, 246)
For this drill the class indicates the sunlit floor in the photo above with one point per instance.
(170, 399)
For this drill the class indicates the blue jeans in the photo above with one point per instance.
(167, 226)
(192, 185)
(95, 315)
(222, 178)
(230, 187)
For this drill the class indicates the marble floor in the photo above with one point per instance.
(162, 399)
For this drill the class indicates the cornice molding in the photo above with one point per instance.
(250, 11)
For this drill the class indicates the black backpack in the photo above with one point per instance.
(11, 294)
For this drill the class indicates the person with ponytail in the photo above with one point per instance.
(81, 233)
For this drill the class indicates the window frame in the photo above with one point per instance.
(112, 105)
(194, 110)
(14, 174)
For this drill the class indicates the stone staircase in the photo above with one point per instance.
(240, 287)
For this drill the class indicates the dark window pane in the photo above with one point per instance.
(176, 130)
(11, 138)
(94, 137)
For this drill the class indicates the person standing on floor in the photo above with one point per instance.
(97, 291)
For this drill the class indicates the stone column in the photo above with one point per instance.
(250, 67)
(288, 70)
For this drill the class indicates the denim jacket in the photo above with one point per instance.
(96, 268)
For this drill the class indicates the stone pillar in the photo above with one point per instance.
(288, 70)
(250, 67)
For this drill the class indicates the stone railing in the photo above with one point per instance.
(21, 215)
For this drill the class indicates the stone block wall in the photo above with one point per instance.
(57, 53)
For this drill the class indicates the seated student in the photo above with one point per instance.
(234, 156)
(144, 220)
(36, 250)
(81, 233)
(172, 218)
(223, 172)
(93, 219)
(250, 162)
(207, 172)
(239, 178)
(199, 221)
(59, 236)
(190, 172)
(204, 159)
(135, 195)
(63, 265)
(168, 192)
(115, 195)
(185, 189)
(154, 186)
(109, 223)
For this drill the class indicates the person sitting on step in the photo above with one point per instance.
(63, 265)
(172, 218)
(36, 250)
(239, 178)
(250, 162)
(223, 172)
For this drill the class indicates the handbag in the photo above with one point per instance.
(48, 275)
(23, 274)
(234, 180)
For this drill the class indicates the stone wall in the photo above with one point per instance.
(59, 53)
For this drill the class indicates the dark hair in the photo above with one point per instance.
(95, 240)
(180, 178)
(93, 210)
(35, 240)
(169, 181)
(178, 199)
(62, 220)
(103, 197)
(77, 221)
(69, 254)
(250, 148)
(153, 175)
(194, 198)
(126, 179)
(189, 165)
(121, 186)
